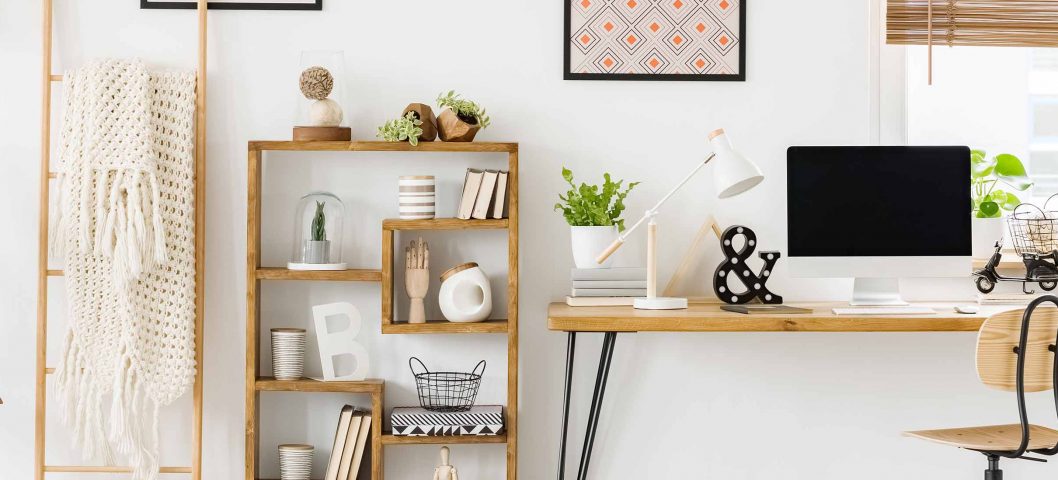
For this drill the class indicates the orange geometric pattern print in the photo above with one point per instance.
(654, 37)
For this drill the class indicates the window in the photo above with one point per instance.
(1000, 99)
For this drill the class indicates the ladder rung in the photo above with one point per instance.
(90, 469)
(56, 78)
(49, 371)
(53, 175)
(55, 273)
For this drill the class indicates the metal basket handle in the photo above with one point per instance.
(475, 370)
(1047, 204)
(412, 366)
(1038, 209)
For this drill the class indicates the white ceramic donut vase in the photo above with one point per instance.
(465, 295)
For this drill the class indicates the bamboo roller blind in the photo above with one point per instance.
(998, 23)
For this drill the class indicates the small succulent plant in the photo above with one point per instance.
(401, 129)
(319, 224)
(466, 110)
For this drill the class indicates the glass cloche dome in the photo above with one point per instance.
(318, 233)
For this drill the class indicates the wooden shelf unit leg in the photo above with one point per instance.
(512, 320)
(253, 308)
(378, 464)
(42, 255)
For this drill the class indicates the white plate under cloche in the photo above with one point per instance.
(316, 266)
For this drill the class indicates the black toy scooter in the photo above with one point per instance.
(1039, 268)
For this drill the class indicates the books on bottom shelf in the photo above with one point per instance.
(420, 422)
(485, 195)
(350, 441)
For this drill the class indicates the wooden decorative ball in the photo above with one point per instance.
(316, 83)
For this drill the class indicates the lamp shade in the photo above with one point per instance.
(734, 173)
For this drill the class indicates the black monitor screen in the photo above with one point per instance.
(878, 201)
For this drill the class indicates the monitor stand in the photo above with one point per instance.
(877, 292)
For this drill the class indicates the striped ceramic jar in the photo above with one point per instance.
(417, 197)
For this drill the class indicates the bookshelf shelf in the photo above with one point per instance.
(269, 384)
(355, 275)
(361, 146)
(390, 439)
(444, 326)
(393, 224)
(256, 274)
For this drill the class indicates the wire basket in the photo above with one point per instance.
(1034, 230)
(446, 391)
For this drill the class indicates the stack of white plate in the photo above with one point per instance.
(288, 353)
(295, 462)
(417, 197)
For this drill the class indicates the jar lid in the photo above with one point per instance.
(288, 330)
(456, 269)
(295, 446)
(417, 177)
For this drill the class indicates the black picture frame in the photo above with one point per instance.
(220, 5)
(679, 77)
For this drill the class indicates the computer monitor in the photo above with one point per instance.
(877, 214)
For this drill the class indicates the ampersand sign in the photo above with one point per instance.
(736, 266)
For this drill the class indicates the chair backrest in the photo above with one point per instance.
(998, 340)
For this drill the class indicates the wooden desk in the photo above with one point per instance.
(708, 317)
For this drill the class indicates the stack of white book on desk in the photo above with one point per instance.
(593, 287)
(1018, 298)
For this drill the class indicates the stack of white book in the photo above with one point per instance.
(606, 286)
(1006, 298)
(350, 441)
(485, 195)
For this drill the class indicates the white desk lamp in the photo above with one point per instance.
(734, 174)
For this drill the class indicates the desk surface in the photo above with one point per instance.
(707, 317)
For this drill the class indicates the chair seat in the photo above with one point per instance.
(996, 438)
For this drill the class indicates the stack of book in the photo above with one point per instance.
(593, 287)
(350, 441)
(1005, 298)
(485, 195)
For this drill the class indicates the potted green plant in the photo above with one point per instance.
(594, 216)
(460, 119)
(990, 179)
(401, 129)
(317, 249)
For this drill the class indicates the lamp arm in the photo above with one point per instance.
(652, 212)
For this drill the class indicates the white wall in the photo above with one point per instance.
(751, 406)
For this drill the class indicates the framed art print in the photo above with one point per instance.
(237, 4)
(703, 40)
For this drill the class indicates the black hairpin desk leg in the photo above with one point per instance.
(571, 347)
(606, 355)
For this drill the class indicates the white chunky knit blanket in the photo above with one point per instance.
(125, 227)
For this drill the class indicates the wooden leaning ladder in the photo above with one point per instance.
(42, 370)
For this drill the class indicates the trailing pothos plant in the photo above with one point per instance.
(990, 200)
(401, 129)
(466, 110)
(589, 205)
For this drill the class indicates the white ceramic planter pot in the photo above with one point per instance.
(986, 231)
(589, 242)
(465, 295)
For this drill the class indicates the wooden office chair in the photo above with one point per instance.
(1013, 354)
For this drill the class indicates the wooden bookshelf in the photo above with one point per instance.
(274, 273)
(255, 383)
(444, 326)
(389, 439)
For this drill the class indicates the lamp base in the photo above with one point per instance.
(660, 303)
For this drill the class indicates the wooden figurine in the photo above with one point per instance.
(445, 471)
(417, 278)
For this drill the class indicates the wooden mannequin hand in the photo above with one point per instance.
(417, 279)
